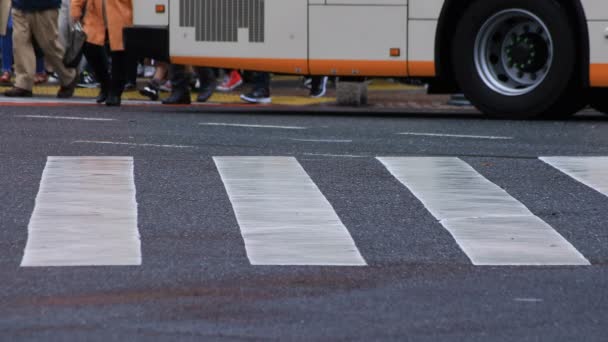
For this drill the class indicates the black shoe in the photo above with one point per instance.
(257, 96)
(205, 93)
(103, 96)
(178, 98)
(129, 86)
(18, 92)
(113, 101)
(319, 90)
(87, 81)
(68, 90)
(150, 91)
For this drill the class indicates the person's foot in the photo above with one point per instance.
(103, 95)
(41, 78)
(205, 93)
(166, 86)
(257, 96)
(18, 92)
(178, 98)
(87, 81)
(68, 90)
(319, 90)
(231, 82)
(5, 79)
(307, 82)
(53, 79)
(150, 91)
(129, 86)
(113, 101)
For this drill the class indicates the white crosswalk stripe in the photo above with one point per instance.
(284, 218)
(490, 226)
(591, 171)
(85, 214)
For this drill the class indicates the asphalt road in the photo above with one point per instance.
(196, 282)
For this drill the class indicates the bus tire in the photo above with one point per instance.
(599, 99)
(517, 59)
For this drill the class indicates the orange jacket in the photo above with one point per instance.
(119, 15)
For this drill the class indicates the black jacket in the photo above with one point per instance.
(36, 5)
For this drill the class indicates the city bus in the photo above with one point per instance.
(510, 58)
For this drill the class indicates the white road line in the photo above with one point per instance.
(490, 137)
(284, 218)
(85, 214)
(334, 155)
(129, 144)
(224, 124)
(490, 226)
(63, 117)
(323, 140)
(528, 300)
(591, 171)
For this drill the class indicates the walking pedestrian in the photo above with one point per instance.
(180, 82)
(37, 20)
(103, 22)
(260, 92)
(5, 8)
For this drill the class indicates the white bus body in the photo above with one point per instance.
(392, 38)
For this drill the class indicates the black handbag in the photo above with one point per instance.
(73, 51)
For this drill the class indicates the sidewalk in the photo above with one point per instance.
(385, 95)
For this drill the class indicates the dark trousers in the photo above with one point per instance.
(261, 81)
(112, 81)
(180, 79)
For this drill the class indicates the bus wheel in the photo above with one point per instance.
(517, 58)
(599, 100)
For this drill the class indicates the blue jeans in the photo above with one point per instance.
(6, 44)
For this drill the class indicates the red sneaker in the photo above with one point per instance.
(231, 82)
(5, 78)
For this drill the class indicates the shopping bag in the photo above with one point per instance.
(73, 50)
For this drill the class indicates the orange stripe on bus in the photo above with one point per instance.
(357, 67)
(421, 68)
(598, 75)
(301, 66)
(288, 66)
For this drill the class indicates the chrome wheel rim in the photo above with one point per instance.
(513, 52)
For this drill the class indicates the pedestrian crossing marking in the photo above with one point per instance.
(489, 225)
(283, 216)
(85, 214)
(591, 171)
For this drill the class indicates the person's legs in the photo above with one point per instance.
(63, 22)
(6, 43)
(131, 70)
(98, 62)
(152, 89)
(261, 89)
(118, 80)
(46, 32)
(180, 85)
(7, 50)
(318, 86)
(25, 60)
(41, 76)
(208, 82)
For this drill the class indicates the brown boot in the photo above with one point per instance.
(18, 92)
(68, 90)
